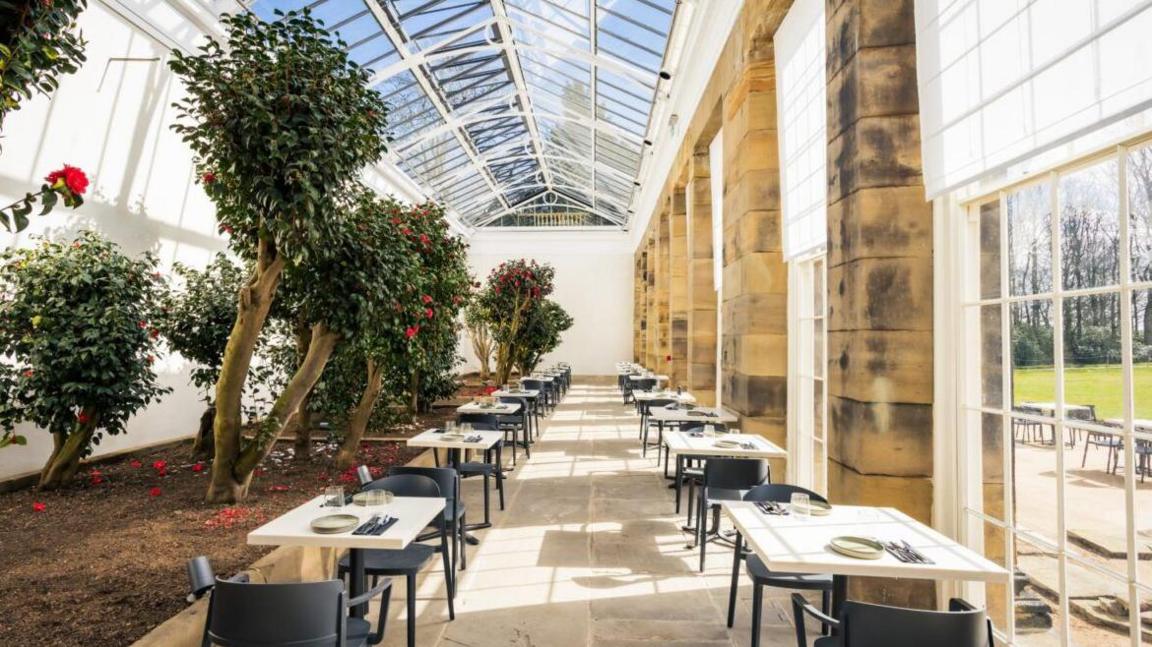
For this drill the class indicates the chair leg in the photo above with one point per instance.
(411, 578)
(679, 486)
(463, 546)
(487, 498)
(644, 441)
(701, 527)
(527, 444)
(455, 543)
(826, 608)
(735, 580)
(757, 612)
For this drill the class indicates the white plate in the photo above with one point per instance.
(857, 547)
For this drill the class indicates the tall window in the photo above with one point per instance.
(1056, 401)
(808, 390)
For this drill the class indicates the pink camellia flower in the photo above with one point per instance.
(155, 491)
(136, 463)
(426, 298)
(411, 331)
(429, 313)
(70, 178)
(38, 506)
(161, 467)
(29, 373)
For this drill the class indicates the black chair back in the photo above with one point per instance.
(780, 493)
(413, 484)
(735, 473)
(698, 425)
(302, 614)
(447, 480)
(649, 405)
(644, 384)
(874, 625)
(532, 385)
(481, 421)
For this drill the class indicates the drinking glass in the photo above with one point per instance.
(709, 430)
(800, 505)
(450, 426)
(465, 427)
(334, 496)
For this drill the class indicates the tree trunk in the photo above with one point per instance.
(414, 393)
(203, 446)
(65, 458)
(255, 299)
(287, 406)
(1148, 320)
(301, 423)
(360, 417)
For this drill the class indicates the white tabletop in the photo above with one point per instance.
(680, 442)
(1050, 407)
(793, 544)
(658, 378)
(541, 378)
(644, 396)
(497, 409)
(661, 414)
(432, 438)
(522, 393)
(293, 528)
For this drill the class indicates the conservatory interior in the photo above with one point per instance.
(576, 323)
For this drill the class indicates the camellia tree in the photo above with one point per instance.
(540, 334)
(414, 344)
(476, 322)
(76, 318)
(282, 122)
(512, 290)
(39, 41)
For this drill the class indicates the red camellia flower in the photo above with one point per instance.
(425, 240)
(426, 299)
(136, 463)
(143, 324)
(70, 178)
(82, 418)
(38, 506)
(406, 231)
(95, 477)
(155, 491)
(161, 467)
(411, 331)
(208, 178)
(428, 313)
(198, 467)
(29, 373)
(150, 359)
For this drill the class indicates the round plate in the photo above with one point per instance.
(727, 443)
(452, 436)
(334, 523)
(815, 508)
(857, 547)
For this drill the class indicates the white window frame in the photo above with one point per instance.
(806, 275)
(958, 452)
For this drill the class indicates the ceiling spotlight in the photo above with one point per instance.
(665, 74)
(636, 184)
(647, 142)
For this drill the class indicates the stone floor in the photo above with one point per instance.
(588, 552)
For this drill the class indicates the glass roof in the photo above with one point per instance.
(492, 100)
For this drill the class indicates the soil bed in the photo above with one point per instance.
(101, 562)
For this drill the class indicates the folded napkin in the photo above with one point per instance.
(474, 439)
(375, 526)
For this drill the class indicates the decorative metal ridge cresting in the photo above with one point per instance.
(512, 112)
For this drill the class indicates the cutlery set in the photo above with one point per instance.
(376, 525)
(772, 507)
(904, 552)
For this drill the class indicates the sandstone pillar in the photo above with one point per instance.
(677, 369)
(701, 352)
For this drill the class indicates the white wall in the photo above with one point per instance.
(593, 283)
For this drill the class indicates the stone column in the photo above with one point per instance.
(639, 303)
(879, 273)
(701, 287)
(650, 298)
(663, 286)
(677, 369)
(755, 332)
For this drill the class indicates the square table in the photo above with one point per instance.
(434, 438)
(645, 396)
(496, 409)
(664, 415)
(683, 443)
(798, 544)
(293, 528)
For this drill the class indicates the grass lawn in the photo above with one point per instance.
(1098, 385)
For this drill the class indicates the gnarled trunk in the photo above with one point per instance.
(301, 423)
(203, 446)
(360, 416)
(66, 453)
(255, 299)
(414, 393)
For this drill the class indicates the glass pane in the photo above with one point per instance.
(818, 347)
(818, 287)
(818, 408)
(1142, 513)
(1093, 385)
(1036, 607)
(819, 466)
(1098, 608)
(1034, 478)
(990, 250)
(991, 462)
(991, 356)
(1033, 379)
(1140, 208)
(1096, 508)
(1142, 355)
(1030, 240)
(996, 596)
(1090, 226)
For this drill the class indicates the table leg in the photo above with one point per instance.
(839, 595)
(356, 580)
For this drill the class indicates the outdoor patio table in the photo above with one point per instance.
(798, 544)
(294, 528)
(434, 438)
(1071, 412)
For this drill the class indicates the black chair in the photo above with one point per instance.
(409, 561)
(516, 423)
(874, 625)
(632, 385)
(493, 464)
(725, 479)
(646, 423)
(758, 572)
(543, 400)
(312, 614)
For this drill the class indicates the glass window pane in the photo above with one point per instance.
(996, 596)
(818, 287)
(1093, 386)
(1036, 607)
(1096, 505)
(1030, 240)
(1034, 478)
(991, 430)
(1098, 608)
(818, 408)
(818, 347)
(1140, 208)
(1142, 354)
(990, 250)
(992, 356)
(1033, 378)
(1090, 226)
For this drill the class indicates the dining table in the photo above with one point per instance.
(492, 408)
(456, 444)
(294, 528)
(796, 543)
